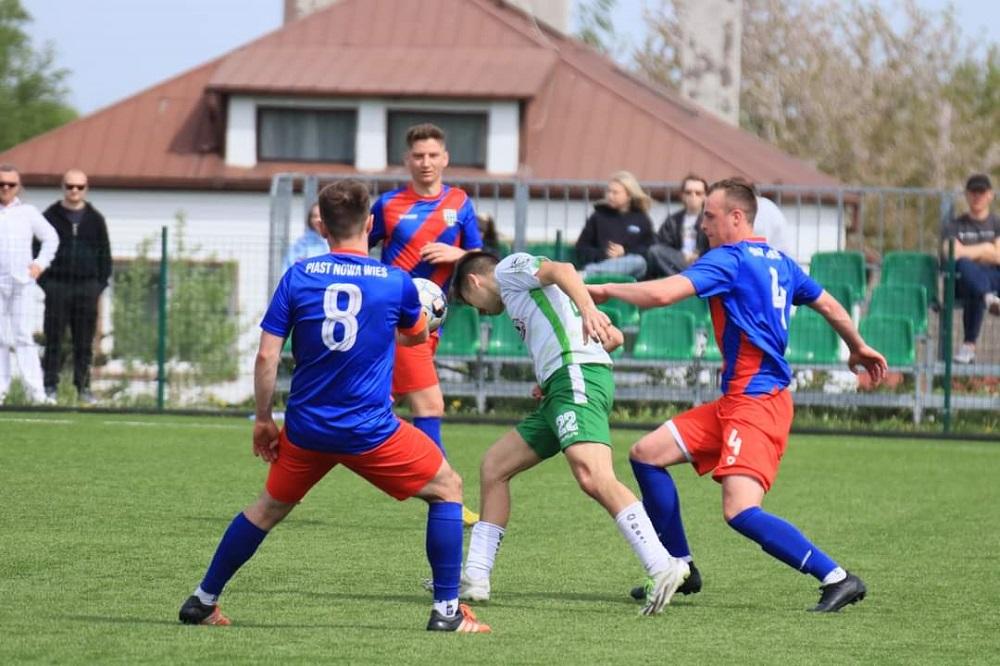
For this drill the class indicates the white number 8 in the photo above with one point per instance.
(346, 318)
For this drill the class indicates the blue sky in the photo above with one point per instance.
(115, 48)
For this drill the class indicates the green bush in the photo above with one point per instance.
(201, 326)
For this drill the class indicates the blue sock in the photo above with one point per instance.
(444, 548)
(782, 540)
(659, 496)
(430, 426)
(238, 545)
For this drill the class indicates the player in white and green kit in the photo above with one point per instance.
(568, 339)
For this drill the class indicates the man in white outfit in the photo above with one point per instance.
(19, 224)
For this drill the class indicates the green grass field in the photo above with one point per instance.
(109, 521)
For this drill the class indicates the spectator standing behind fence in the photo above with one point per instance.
(310, 244)
(977, 254)
(488, 231)
(618, 233)
(74, 282)
(680, 240)
(19, 224)
(770, 223)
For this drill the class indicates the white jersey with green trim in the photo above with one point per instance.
(546, 318)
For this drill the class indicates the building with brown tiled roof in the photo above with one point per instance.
(526, 100)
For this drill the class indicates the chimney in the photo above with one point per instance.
(296, 9)
(712, 31)
(554, 13)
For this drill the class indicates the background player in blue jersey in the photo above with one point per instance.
(345, 312)
(424, 228)
(741, 437)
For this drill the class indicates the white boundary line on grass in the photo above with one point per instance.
(23, 419)
(177, 424)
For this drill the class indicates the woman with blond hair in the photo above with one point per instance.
(619, 232)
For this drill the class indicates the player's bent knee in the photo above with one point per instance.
(445, 487)
(427, 403)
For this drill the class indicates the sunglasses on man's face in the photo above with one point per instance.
(5, 184)
(71, 186)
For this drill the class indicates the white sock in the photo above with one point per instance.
(834, 576)
(447, 608)
(483, 547)
(635, 526)
(206, 598)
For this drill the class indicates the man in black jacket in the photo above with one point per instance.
(74, 282)
(680, 240)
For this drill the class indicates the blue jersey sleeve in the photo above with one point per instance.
(807, 290)
(471, 239)
(378, 224)
(714, 273)
(278, 320)
(409, 310)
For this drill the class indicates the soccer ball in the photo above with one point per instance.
(433, 302)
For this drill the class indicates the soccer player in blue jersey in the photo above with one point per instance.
(741, 437)
(345, 313)
(424, 227)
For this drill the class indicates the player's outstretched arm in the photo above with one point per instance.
(649, 294)
(265, 377)
(861, 354)
(596, 324)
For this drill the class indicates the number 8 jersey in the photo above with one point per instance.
(751, 288)
(342, 310)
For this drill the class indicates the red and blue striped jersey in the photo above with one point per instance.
(406, 221)
(751, 288)
(342, 310)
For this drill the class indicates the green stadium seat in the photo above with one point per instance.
(504, 339)
(665, 334)
(460, 332)
(842, 292)
(912, 268)
(812, 340)
(698, 308)
(605, 278)
(840, 267)
(552, 251)
(892, 336)
(898, 300)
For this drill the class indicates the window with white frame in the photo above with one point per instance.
(466, 134)
(306, 135)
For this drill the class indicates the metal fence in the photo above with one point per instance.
(178, 328)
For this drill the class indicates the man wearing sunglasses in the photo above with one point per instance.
(19, 224)
(74, 282)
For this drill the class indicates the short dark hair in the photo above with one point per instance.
(424, 131)
(694, 177)
(978, 182)
(740, 193)
(476, 262)
(344, 207)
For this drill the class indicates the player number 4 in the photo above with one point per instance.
(779, 296)
(347, 318)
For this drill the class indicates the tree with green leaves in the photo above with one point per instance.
(872, 94)
(32, 92)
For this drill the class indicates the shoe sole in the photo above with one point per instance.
(666, 592)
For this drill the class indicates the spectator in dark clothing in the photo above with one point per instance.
(619, 232)
(74, 282)
(491, 238)
(680, 239)
(977, 251)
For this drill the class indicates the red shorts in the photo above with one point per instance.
(736, 434)
(414, 367)
(400, 466)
